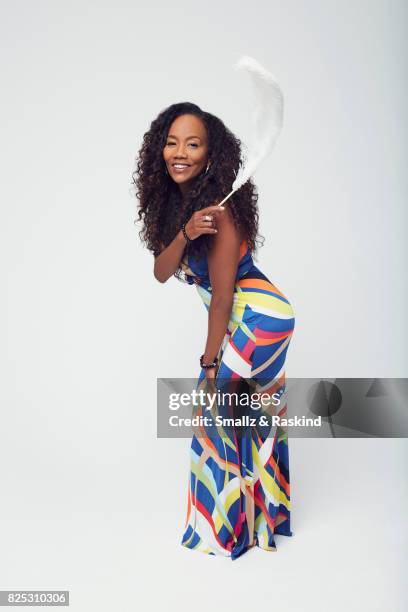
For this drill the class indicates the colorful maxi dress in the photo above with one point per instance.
(238, 486)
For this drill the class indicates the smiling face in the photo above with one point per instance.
(186, 150)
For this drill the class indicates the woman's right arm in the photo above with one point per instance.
(167, 262)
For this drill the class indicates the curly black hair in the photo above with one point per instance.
(161, 207)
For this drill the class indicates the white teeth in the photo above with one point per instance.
(180, 166)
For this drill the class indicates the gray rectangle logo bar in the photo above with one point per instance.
(298, 407)
(34, 598)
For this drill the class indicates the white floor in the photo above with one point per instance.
(111, 534)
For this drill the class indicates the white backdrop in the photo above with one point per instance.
(91, 500)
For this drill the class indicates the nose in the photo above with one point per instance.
(180, 151)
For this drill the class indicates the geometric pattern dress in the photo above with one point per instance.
(238, 493)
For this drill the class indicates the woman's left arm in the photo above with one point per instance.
(223, 259)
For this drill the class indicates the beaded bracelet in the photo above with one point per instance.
(183, 229)
(208, 365)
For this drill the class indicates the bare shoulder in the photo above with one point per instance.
(227, 226)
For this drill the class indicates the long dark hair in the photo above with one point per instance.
(161, 207)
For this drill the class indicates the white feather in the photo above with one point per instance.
(267, 119)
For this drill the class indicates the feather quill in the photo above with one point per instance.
(267, 119)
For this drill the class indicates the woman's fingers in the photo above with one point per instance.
(207, 230)
(205, 223)
(212, 209)
(205, 219)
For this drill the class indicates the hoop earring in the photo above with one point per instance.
(208, 165)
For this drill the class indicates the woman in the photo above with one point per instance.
(239, 491)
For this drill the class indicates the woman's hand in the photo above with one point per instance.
(210, 379)
(196, 225)
(211, 373)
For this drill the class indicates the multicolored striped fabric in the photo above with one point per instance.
(238, 488)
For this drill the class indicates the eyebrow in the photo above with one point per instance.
(192, 136)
